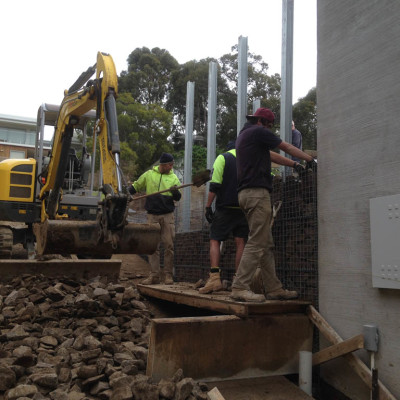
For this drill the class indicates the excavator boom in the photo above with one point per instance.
(110, 233)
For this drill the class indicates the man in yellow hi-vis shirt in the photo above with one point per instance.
(160, 208)
(228, 216)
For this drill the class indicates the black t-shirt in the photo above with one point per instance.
(252, 156)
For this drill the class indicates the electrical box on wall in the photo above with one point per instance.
(385, 241)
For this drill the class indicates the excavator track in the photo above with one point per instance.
(6, 242)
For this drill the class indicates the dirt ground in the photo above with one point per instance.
(134, 267)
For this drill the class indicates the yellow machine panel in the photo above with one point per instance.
(17, 177)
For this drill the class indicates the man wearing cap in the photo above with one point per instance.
(253, 160)
(160, 208)
(228, 216)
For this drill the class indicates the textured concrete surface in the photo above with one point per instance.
(358, 159)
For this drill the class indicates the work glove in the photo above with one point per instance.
(312, 165)
(131, 190)
(176, 194)
(209, 215)
(298, 168)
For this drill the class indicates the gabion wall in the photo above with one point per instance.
(295, 232)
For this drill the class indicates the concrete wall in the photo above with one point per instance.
(358, 94)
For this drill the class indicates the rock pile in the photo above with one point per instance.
(63, 339)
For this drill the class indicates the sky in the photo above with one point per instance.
(47, 44)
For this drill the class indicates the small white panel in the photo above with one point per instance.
(385, 241)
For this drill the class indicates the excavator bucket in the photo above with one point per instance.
(82, 238)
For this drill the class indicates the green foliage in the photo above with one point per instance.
(145, 128)
(149, 75)
(128, 161)
(305, 119)
(199, 158)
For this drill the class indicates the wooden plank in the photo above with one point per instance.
(338, 350)
(226, 347)
(215, 394)
(184, 293)
(73, 268)
(359, 367)
(267, 388)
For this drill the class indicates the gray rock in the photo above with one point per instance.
(184, 388)
(87, 371)
(45, 379)
(167, 389)
(24, 356)
(17, 333)
(8, 378)
(21, 391)
(122, 393)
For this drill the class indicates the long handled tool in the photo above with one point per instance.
(199, 179)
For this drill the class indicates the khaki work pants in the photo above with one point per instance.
(167, 223)
(258, 252)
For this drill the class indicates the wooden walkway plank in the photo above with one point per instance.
(184, 293)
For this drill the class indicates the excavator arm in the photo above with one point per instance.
(110, 233)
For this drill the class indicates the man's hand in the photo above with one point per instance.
(209, 215)
(298, 168)
(131, 190)
(312, 165)
(176, 194)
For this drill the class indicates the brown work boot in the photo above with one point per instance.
(213, 283)
(282, 294)
(152, 279)
(168, 279)
(247, 295)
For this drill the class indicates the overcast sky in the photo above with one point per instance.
(46, 44)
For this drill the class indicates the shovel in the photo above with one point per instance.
(199, 179)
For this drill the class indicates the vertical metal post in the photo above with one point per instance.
(211, 119)
(187, 175)
(286, 75)
(242, 83)
(256, 105)
(212, 113)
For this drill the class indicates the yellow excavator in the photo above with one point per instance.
(38, 191)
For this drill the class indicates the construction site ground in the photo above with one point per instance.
(182, 300)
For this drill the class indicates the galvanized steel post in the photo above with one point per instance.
(212, 113)
(187, 175)
(242, 83)
(286, 75)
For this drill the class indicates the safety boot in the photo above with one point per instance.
(282, 294)
(168, 280)
(247, 296)
(213, 283)
(152, 279)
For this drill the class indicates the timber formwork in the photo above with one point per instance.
(241, 341)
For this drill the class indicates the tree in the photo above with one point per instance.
(152, 101)
(305, 119)
(145, 128)
(199, 158)
(148, 77)
(260, 86)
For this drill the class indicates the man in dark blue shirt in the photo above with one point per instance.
(254, 156)
(297, 140)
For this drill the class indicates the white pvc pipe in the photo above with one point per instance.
(305, 372)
